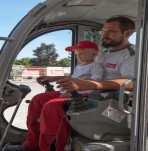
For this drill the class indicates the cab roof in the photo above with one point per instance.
(96, 11)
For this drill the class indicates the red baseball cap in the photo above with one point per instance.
(83, 44)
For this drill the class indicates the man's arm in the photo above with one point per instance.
(115, 84)
(76, 84)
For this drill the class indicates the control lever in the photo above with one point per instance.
(78, 102)
(48, 86)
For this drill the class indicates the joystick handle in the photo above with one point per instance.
(48, 86)
(78, 102)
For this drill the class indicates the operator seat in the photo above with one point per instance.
(102, 120)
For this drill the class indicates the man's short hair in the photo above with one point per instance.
(125, 22)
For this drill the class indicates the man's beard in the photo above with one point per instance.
(113, 43)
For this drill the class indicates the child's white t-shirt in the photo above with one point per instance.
(92, 71)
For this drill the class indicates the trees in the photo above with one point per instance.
(45, 55)
(23, 61)
(64, 62)
(94, 35)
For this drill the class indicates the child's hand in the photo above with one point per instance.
(41, 79)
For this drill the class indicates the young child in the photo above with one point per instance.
(85, 51)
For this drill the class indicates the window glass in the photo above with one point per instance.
(93, 34)
(44, 55)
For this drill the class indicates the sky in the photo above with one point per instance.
(14, 10)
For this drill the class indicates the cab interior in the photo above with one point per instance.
(75, 19)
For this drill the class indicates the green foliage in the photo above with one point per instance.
(65, 62)
(94, 35)
(45, 55)
(23, 61)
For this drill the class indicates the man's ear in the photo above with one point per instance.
(128, 33)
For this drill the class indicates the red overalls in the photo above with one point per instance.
(53, 125)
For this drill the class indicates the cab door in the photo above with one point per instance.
(139, 137)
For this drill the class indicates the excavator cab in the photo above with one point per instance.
(102, 121)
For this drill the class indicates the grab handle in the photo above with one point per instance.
(121, 96)
(6, 39)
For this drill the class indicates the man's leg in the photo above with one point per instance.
(53, 125)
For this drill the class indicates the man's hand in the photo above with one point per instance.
(76, 84)
(69, 84)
